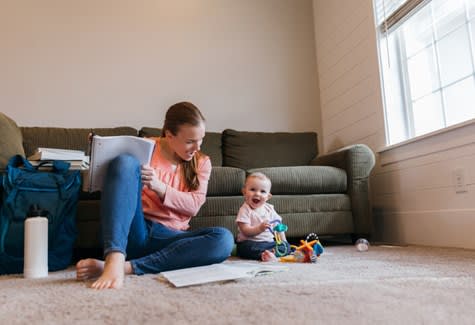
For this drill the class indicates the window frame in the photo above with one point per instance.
(391, 25)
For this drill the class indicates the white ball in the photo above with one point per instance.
(362, 245)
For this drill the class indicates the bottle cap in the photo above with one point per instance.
(36, 211)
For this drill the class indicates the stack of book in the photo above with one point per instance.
(76, 158)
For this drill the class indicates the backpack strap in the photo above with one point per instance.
(59, 166)
(18, 161)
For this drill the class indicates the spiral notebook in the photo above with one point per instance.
(106, 148)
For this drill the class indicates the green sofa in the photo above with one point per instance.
(324, 194)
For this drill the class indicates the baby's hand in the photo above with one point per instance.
(264, 226)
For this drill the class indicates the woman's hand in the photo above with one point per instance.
(150, 179)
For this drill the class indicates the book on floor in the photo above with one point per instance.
(219, 272)
(106, 148)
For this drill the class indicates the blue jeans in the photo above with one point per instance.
(252, 250)
(149, 246)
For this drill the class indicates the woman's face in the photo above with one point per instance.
(187, 141)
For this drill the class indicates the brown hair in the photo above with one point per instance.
(177, 115)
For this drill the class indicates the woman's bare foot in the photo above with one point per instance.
(268, 256)
(89, 268)
(113, 273)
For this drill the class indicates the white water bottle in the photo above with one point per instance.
(36, 243)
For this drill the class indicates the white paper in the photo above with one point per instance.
(219, 272)
(104, 149)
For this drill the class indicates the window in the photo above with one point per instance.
(427, 59)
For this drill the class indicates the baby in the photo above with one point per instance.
(255, 217)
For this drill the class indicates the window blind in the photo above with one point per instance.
(390, 12)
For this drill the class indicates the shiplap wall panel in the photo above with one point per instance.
(333, 35)
(447, 228)
(345, 118)
(354, 133)
(351, 96)
(344, 65)
(360, 71)
(452, 156)
(435, 174)
(346, 53)
(427, 199)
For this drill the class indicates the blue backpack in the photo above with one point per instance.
(56, 191)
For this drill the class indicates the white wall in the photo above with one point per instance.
(413, 194)
(249, 65)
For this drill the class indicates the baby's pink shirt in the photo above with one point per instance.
(179, 204)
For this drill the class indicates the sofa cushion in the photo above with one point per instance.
(266, 149)
(226, 181)
(147, 132)
(211, 145)
(10, 140)
(305, 179)
(66, 138)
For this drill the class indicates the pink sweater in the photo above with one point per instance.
(179, 203)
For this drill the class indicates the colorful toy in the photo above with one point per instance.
(282, 247)
(318, 248)
(303, 253)
(307, 252)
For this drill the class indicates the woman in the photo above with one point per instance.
(145, 210)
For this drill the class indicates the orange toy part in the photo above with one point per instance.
(307, 248)
(288, 259)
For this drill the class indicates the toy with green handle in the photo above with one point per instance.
(282, 247)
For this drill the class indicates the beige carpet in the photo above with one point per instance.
(386, 285)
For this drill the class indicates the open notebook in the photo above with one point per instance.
(219, 272)
(106, 148)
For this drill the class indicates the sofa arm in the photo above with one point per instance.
(358, 160)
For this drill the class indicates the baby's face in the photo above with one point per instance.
(256, 192)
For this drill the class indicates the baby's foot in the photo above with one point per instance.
(113, 274)
(268, 256)
(89, 268)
